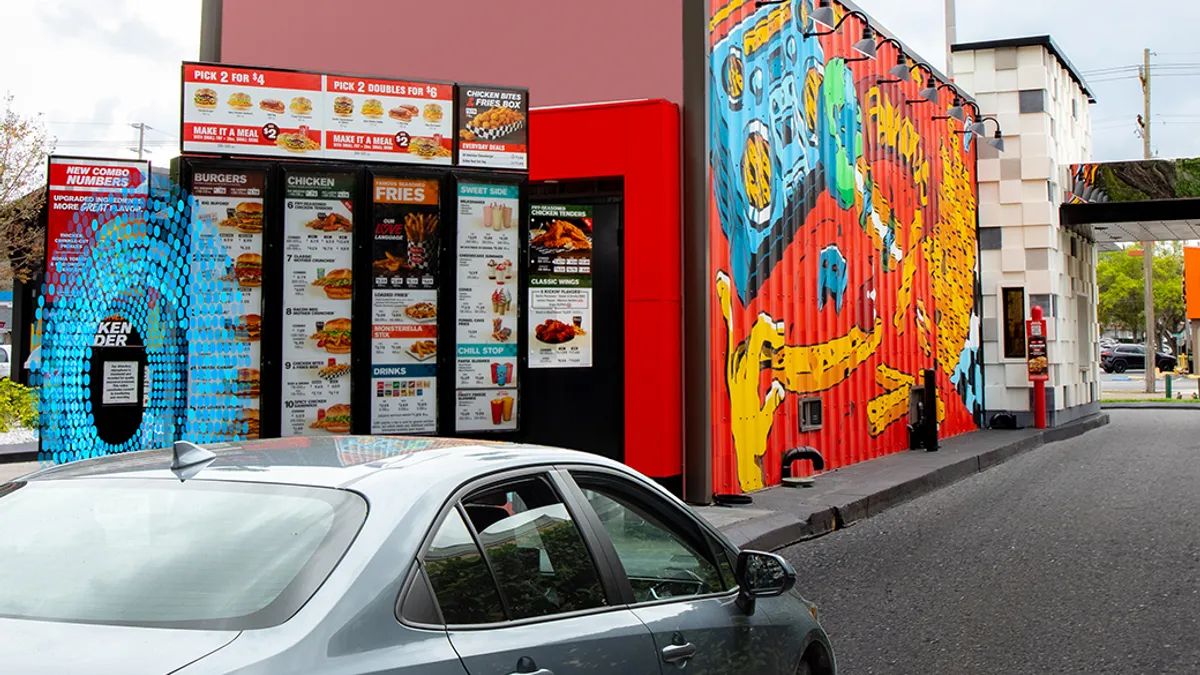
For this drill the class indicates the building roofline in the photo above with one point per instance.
(1044, 41)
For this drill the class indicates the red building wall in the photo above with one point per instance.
(844, 250)
(564, 51)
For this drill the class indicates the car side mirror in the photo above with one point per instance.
(762, 575)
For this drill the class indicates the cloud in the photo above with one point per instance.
(110, 24)
(1094, 34)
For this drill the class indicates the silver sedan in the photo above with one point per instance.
(352, 556)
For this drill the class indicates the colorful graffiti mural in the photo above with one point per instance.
(844, 246)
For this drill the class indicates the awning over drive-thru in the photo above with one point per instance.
(1148, 200)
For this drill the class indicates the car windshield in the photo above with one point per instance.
(159, 553)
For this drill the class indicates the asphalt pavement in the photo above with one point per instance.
(1079, 557)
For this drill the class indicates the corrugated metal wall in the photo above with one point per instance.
(844, 246)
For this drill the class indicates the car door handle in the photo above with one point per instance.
(526, 666)
(674, 653)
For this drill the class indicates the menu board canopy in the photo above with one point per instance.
(271, 112)
(237, 110)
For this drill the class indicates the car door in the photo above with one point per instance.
(1137, 358)
(520, 591)
(679, 580)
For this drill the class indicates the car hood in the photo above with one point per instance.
(48, 648)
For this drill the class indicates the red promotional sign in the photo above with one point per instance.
(89, 189)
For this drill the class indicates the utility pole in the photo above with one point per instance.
(141, 127)
(951, 36)
(1148, 246)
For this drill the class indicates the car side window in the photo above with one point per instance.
(536, 552)
(461, 580)
(660, 560)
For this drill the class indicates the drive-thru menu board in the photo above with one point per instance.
(560, 286)
(260, 111)
(388, 120)
(493, 127)
(486, 354)
(404, 340)
(94, 188)
(317, 285)
(229, 203)
(251, 111)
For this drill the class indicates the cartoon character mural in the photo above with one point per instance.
(844, 246)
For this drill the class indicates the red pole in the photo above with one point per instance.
(1039, 386)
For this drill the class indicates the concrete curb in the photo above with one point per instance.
(19, 452)
(1150, 405)
(779, 530)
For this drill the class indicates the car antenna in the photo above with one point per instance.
(189, 459)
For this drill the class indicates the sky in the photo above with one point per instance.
(93, 67)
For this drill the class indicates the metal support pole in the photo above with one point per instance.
(1148, 246)
(951, 36)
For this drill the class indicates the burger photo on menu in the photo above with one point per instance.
(343, 106)
(205, 98)
(240, 101)
(248, 270)
(372, 107)
(301, 105)
(338, 284)
(335, 421)
(247, 423)
(334, 336)
(248, 328)
(248, 383)
(298, 143)
(272, 105)
(433, 113)
(249, 217)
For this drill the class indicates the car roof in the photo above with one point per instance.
(330, 461)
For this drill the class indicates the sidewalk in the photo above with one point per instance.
(782, 516)
(16, 470)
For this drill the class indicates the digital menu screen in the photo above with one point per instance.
(229, 204)
(303, 115)
(388, 120)
(486, 336)
(251, 111)
(560, 286)
(317, 288)
(493, 127)
(404, 271)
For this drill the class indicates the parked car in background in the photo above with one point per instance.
(1122, 357)
(357, 555)
(6, 367)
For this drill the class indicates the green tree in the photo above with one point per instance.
(1119, 275)
(24, 146)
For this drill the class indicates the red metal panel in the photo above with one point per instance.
(653, 307)
(844, 246)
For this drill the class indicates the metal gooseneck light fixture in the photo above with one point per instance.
(979, 128)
